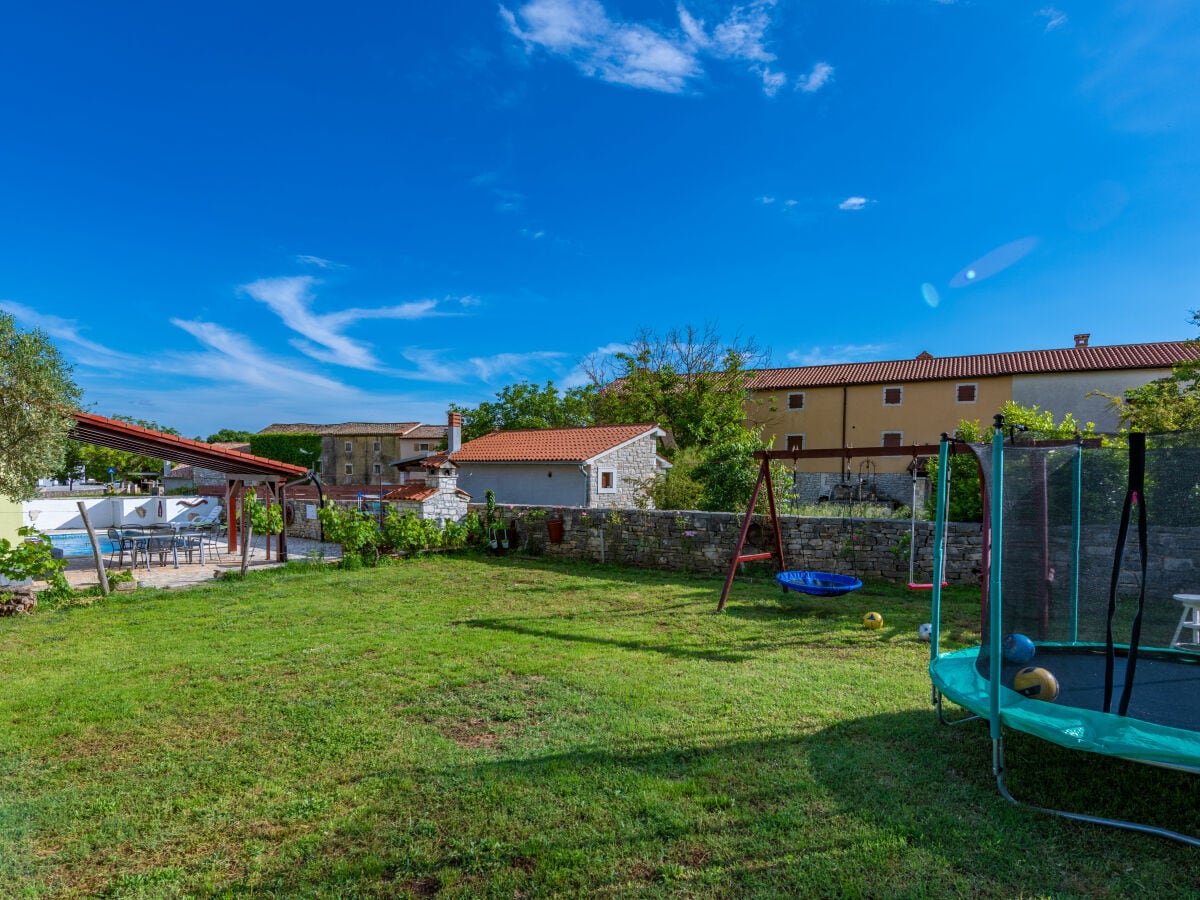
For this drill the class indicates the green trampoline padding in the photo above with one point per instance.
(958, 679)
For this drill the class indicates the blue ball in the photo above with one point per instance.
(1017, 648)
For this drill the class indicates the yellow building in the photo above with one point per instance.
(10, 519)
(904, 402)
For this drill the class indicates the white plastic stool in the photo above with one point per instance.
(1189, 619)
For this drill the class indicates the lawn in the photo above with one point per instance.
(503, 727)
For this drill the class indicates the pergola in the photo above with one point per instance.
(242, 470)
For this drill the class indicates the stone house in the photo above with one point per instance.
(603, 466)
(363, 452)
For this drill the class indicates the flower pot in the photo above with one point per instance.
(554, 529)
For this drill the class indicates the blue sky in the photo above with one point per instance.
(235, 214)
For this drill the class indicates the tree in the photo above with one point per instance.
(687, 380)
(37, 398)
(528, 406)
(228, 435)
(966, 504)
(72, 463)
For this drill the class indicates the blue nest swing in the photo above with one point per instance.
(819, 584)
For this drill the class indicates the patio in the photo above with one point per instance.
(81, 570)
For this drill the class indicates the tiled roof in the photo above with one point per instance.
(415, 493)
(239, 446)
(550, 444)
(427, 432)
(1022, 362)
(349, 429)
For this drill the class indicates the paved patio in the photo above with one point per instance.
(81, 570)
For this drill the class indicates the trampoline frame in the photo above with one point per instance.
(993, 598)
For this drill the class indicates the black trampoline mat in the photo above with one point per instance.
(1166, 687)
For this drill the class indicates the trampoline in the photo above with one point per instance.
(819, 584)
(1085, 548)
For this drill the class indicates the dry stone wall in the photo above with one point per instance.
(703, 542)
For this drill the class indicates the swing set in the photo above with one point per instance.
(822, 584)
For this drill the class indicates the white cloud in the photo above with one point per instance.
(291, 299)
(765, 200)
(854, 203)
(816, 79)
(1054, 17)
(790, 202)
(63, 330)
(319, 262)
(533, 234)
(639, 55)
(841, 353)
(513, 364)
(233, 358)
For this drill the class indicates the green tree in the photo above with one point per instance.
(297, 449)
(228, 435)
(1166, 404)
(688, 380)
(1032, 422)
(527, 406)
(37, 397)
(72, 464)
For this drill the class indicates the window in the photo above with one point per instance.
(796, 401)
(349, 469)
(893, 396)
(795, 442)
(376, 447)
(608, 481)
(419, 447)
(378, 469)
(349, 446)
(965, 393)
(892, 439)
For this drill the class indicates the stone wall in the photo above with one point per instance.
(813, 487)
(704, 542)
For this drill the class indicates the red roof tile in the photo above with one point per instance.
(1022, 362)
(550, 444)
(343, 428)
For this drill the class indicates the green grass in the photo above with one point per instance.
(502, 727)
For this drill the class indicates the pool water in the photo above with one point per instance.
(76, 543)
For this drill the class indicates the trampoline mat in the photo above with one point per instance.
(1166, 686)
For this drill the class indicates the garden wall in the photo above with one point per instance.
(704, 542)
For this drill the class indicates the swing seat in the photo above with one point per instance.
(914, 586)
(819, 584)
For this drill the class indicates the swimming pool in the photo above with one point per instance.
(76, 543)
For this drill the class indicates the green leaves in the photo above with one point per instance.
(527, 406)
(37, 398)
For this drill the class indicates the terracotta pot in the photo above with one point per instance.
(554, 528)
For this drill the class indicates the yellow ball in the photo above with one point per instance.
(1037, 683)
(872, 620)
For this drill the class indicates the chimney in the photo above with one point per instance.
(1081, 340)
(454, 433)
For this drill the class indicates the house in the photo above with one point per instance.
(912, 401)
(362, 452)
(596, 466)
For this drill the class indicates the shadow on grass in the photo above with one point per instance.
(639, 646)
(880, 806)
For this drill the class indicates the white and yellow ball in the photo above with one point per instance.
(1036, 682)
(873, 620)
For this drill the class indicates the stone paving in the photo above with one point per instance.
(81, 571)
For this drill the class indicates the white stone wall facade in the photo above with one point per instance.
(633, 466)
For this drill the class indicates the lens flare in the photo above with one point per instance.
(994, 262)
(929, 292)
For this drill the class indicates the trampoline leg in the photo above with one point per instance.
(937, 703)
(998, 769)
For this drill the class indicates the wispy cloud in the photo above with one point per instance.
(816, 79)
(63, 330)
(1054, 17)
(319, 262)
(234, 358)
(511, 364)
(839, 353)
(765, 200)
(854, 203)
(323, 339)
(645, 56)
(534, 234)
